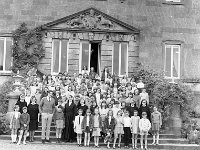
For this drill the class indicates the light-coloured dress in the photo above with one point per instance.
(15, 124)
(135, 124)
(119, 126)
(77, 124)
(103, 113)
(96, 129)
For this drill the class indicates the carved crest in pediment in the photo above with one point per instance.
(90, 20)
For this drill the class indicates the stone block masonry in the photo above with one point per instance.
(157, 22)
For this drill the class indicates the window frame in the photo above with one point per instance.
(120, 43)
(173, 2)
(80, 56)
(172, 46)
(4, 57)
(60, 49)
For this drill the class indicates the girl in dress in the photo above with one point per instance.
(118, 128)
(132, 108)
(128, 99)
(59, 117)
(144, 95)
(103, 112)
(145, 108)
(98, 97)
(97, 126)
(37, 95)
(24, 126)
(93, 107)
(109, 125)
(14, 123)
(33, 111)
(21, 103)
(82, 106)
(123, 107)
(87, 127)
(136, 97)
(78, 127)
(135, 128)
(127, 131)
(28, 96)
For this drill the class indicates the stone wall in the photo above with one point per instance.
(74, 50)
(157, 21)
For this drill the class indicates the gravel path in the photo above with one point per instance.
(6, 145)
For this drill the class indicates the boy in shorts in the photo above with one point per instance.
(144, 126)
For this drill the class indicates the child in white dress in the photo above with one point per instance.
(14, 123)
(118, 128)
(135, 128)
(77, 126)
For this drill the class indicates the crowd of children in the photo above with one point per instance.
(86, 104)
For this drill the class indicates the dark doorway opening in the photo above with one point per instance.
(94, 58)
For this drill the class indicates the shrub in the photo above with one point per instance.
(165, 94)
(27, 49)
(4, 90)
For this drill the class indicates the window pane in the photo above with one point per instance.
(63, 56)
(8, 55)
(56, 44)
(175, 61)
(1, 53)
(116, 58)
(168, 62)
(85, 55)
(124, 58)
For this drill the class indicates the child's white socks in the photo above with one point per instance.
(154, 139)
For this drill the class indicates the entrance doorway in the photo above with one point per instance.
(90, 56)
(95, 57)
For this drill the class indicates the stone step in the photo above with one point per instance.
(150, 140)
(53, 130)
(101, 144)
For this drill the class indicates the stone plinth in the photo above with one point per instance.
(12, 100)
(175, 121)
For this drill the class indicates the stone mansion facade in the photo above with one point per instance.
(119, 34)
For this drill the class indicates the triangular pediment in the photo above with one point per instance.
(93, 20)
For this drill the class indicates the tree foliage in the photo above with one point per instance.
(4, 90)
(27, 48)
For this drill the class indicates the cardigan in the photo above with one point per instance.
(84, 122)
(144, 125)
(156, 117)
(110, 126)
(47, 106)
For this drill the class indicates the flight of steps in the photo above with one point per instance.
(167, 141)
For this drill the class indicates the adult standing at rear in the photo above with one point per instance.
(47, 109)
(70, 111)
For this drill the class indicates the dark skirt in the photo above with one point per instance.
(33, 125)
(68, 131)
(87, 129)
